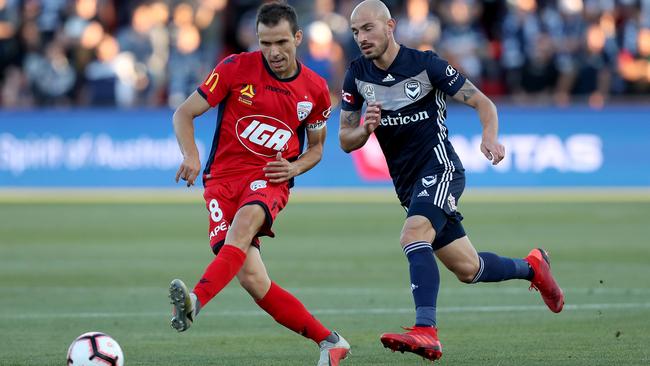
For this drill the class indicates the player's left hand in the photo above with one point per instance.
(189, 170)
(280, 170)
(493, 150)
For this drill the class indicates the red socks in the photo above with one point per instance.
(219, 273)
(281, 305)
(287, 310)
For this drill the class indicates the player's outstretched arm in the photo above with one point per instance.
(195, 105)
(281, 170)
(487, 114)
(353, 135)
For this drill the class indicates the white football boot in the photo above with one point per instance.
(184, 302)
(332, 353)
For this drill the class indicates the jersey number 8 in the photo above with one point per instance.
(215, 212)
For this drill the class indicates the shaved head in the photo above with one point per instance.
(371, 8)
(372, 28)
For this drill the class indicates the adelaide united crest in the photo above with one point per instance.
(304, 108)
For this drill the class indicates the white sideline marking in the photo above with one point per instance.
(322, 195)
(363, 311)
(356, 291)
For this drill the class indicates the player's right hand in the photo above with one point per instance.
(189, 170)
(372, 118)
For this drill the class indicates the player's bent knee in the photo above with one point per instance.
(255, 284)
(466, 272)
(464, 278)
(248, 280)
(416, 230)
(413, 234)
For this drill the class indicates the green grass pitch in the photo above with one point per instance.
(71, 265)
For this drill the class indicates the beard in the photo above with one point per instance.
(380, 49)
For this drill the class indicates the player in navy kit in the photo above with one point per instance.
(405, 93)
(268, 102)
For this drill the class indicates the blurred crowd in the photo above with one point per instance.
(154, 53)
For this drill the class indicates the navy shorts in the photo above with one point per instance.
(435, 197)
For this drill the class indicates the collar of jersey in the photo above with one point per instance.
(268, 69)
(395, 62)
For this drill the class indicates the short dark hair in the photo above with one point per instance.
(271, 14)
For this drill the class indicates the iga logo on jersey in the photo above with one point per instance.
(258, 184)
(304, 108)
(264, 135)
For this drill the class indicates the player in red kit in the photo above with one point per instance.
(268, 102)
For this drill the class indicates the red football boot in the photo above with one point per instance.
(543, 280)
(422, 341)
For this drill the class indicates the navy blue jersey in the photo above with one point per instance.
(412, 133)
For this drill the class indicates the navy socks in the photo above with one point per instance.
(425, 278)
(493, 268)
(425, 281)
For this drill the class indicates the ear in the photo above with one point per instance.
(392, 23)
(298, 37)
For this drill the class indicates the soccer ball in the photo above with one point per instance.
(95, 349)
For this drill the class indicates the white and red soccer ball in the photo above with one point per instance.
(95, 349)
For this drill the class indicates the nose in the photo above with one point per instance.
(274, 51)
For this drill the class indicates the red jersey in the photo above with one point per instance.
(259, 114)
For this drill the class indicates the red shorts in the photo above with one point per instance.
(223, 198)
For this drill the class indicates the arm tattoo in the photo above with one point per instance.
(467, 90)
(350, 119)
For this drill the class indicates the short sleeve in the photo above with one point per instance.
(317, 119)
(216, 85)
(351, 100)
(442, 75)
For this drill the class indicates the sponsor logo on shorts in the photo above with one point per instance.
(429, 180)
(258, 184)
(223, 226)
(452, 202)
(424, 193)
